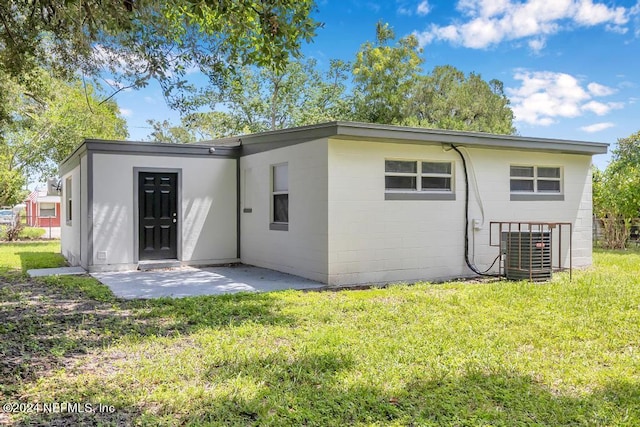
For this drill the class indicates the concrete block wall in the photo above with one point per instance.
(207, 220)
(302, 249)
(376, 240)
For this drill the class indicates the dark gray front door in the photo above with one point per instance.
(158, 215)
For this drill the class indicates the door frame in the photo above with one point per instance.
(136, 209)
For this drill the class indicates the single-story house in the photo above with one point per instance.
(341, 202)
(42, 208)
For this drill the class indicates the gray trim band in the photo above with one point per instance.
(69, 164)
(278, 226)
(419, 196)
(238, 199)
(89, 208)
(536, 197)
(265, 141)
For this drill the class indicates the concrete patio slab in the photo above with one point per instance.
(61, 271)
(189, 281)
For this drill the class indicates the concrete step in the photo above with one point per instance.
(158, 265)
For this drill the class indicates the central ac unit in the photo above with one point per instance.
(527, 255)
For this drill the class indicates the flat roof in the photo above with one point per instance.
(242, 145)
(407, 135)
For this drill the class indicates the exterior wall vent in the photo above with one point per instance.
(532, 250)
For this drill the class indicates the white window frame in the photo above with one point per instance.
(55, 210)
(535, 178)
(536, 194)
(419, 193)
(278, 225)
(68, 200)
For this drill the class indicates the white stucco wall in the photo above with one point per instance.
(207, 218)
(70, 237)
(371, 239)
(302, 249)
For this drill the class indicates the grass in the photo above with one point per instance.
(23, 256)
(500, 354)
(27, 233)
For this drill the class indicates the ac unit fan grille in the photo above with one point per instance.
(527, 255)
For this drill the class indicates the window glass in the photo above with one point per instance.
(524, 171)
(522, 185)
(549, 186)
(281, 178)
(436, 167)
(400, 182)
(398, 166)
(431, 183)
(280, 208)
(280, 194)
(548, 172)
(67, 195)
(47, 210)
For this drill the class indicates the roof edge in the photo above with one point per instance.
(241, 145)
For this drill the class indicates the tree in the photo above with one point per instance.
(46, 128)
(261, 99)
(447, 99)
(164, 131)
(389, 87)
(616, 192)
(143, 39)
(384, 76)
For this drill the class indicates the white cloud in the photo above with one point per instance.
(489, 22)
(423, 8)
(545, 96)
(409, 7)
(597, 127)
(600, 90)
(600, 108)
(538, 44)
(126, 112)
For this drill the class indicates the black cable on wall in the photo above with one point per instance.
(466, 222)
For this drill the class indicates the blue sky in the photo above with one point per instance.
(571, 68)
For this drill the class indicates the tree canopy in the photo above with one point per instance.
(143, 39)
(384, 84)
(384, 75)
(44, 129)
(616, 192)
(52, 50)
(261, 99)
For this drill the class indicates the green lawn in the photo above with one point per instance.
(27, 233)
(459, 354)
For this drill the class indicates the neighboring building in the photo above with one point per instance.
(42, 208)
(341, 203)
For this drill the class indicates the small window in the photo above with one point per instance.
(400, 175)
(436, 176)
(280, 195)
(47, 210)
(536, 179)
(67, 198)
(418, 176)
